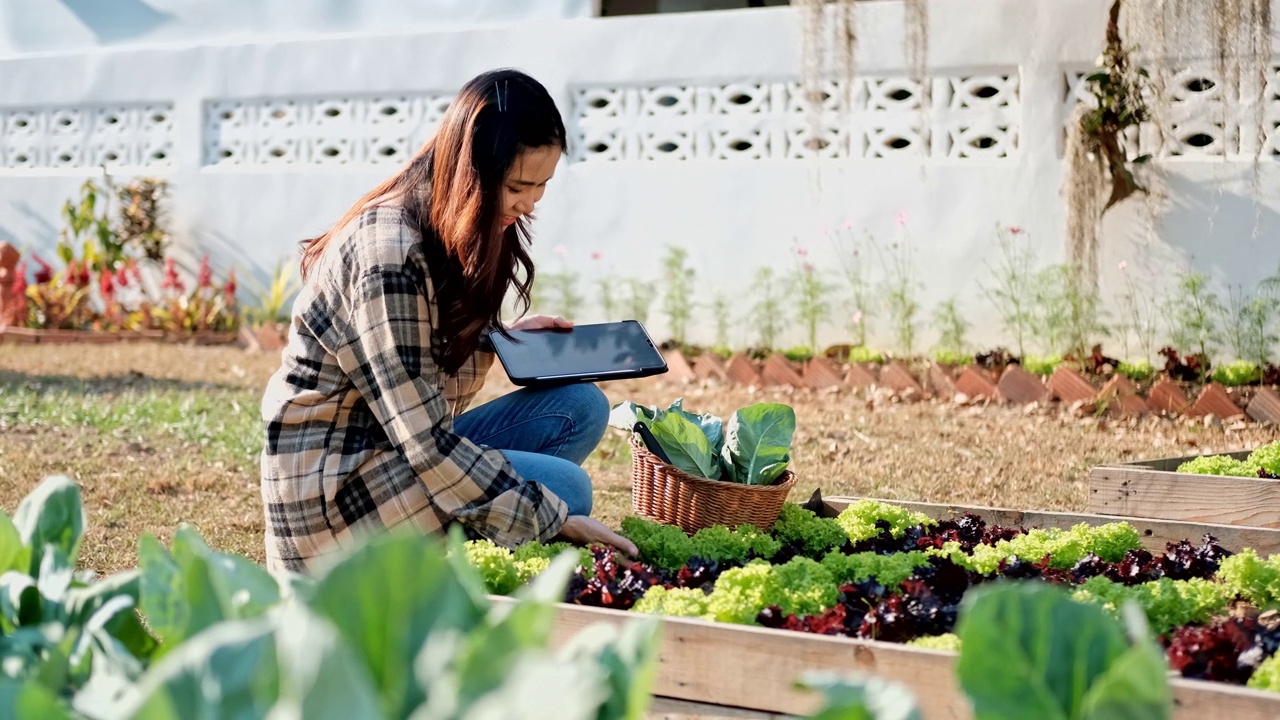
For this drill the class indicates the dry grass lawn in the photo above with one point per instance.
(163, 435)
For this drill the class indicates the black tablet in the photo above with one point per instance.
(583, 353)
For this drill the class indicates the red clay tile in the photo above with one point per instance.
(1021, 387)
(820, 373)
(1069, 386)
(897, 377)
(678, 367)
(1122, 397)
(708, 366)
(1265, 406)
(976, 383)
(1214, 401)
(742, 371)
(778, 371)
(941, 382)
(1167, 397)
(859, 376)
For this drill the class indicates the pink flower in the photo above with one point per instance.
(848, 224)
(1124, 264)
(901, 219)
(560, 250)
(802, 250)
(206, 274)
(596, 255)
(229, 290)
(826, 231)
(808, 268)
(1016, 230)
(857, 317)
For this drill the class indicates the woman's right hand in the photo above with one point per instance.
(582, 530)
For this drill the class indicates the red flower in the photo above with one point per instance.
(19, 288)
(206, 274)
(45, 273)
(122, 276)
(106, 285)
(229, 290)
(72, 274)
(83, 278)
(1016, 230)
(596, 256)
(171, 279)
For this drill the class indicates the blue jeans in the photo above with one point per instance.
(546, 434)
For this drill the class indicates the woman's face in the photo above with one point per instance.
(526, 181)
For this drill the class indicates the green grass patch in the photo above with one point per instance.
(226, 423)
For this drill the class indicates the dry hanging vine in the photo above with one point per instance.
(1235, 34)
(841, 40)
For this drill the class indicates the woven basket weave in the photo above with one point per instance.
(669, 495)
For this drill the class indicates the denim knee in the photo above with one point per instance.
(576, 486)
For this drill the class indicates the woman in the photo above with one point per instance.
(365, 421)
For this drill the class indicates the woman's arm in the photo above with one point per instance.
(388, 360)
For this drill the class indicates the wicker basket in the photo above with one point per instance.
(668, 495)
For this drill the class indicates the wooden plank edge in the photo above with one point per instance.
(755, 668)
(734, 671)
(1155, 533)
(664, 708)
(1142, 492)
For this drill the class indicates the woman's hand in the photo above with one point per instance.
(582, 530)
(540, 322)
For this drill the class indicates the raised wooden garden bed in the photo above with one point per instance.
(1154, 489)
(718, 670)
(29, 336)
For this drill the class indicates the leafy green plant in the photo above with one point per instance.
(853, 263)
(900, 287)
(1041, 365)
(951, 358)
(272, 302)
(608, 302)
(141, 222)
(1138, 372)
(811, 292)
(1141, 308)
(1248, 322)
(768, 312)
(1238, 373)
(88, 228)
(1195, 312)
(677, 298)
(951, 328)
(798, 354)
(1027, 650)
(720, 312)
(638, 299)
(1014, 290)
(864, 354)
(1067, 311)
(752, 448)
(398, 627)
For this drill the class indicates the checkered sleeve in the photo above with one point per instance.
(389, 363)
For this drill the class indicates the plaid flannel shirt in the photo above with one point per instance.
(359, 418)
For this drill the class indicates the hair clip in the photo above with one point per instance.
(500, 93)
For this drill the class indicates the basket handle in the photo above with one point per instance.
(650, 442)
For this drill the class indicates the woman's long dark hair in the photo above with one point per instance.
(452, 188)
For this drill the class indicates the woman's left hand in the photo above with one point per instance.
(540, 322)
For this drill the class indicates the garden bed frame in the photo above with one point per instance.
(720, 670)
(1154, 489)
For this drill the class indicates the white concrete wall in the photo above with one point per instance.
(42, 26)
(734, 209)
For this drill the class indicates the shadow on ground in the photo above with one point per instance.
(129, 382)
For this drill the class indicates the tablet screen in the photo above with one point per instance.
(584, 353)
